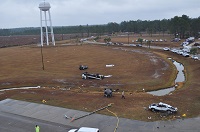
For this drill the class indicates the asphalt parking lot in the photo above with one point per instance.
(21, 116)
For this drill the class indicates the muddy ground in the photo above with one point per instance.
(136, 71)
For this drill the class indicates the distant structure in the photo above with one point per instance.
(45, 7)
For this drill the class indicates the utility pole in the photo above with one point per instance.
(42, 58)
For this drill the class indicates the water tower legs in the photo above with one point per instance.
(41, 31)
(46, 28)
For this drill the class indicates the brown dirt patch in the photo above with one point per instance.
(61, 82)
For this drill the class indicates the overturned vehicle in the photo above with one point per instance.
(83, 67)
(87, 75)
(108, 92)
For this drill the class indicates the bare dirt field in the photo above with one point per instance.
(136, 71)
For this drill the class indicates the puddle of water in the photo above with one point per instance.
(179, 78)
(162, 92)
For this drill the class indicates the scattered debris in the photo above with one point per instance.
(184, 115)
(73, 119)
(108, 76)
(44, 101)
(149, 118)
(115, 90)
(63, 89)
(110, 65)
(67, 117)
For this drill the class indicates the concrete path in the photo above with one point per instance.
(104, 123)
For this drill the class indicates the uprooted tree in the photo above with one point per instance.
(107, 39)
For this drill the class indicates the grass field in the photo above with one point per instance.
(135, 69)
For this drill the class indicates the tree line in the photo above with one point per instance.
(180, 26)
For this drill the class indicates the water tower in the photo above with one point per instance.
(44, 8)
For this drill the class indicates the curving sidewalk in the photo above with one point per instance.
(103, 122)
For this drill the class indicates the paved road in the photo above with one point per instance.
(16, 123)
(20, 116)
(146, 46)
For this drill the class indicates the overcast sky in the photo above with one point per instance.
(25, 13)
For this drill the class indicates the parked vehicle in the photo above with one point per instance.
(174, 50)
(190, 39)
(162, 107)
(84, 129)
(180, 52)
(184, 43)
(87, 75)
(132, 45)
(186, 49)
(138, 45)
(185, 54)
(109, 43)
(176, 40)
(166, 49)
(197, 44)
(195, 57)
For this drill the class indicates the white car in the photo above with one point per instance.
(185, 54)
(84, 129)
(162, 107)
(195, 57)
(166, 49)
(180, 52)
(173, 50)
(132, 45)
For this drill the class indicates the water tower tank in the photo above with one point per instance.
(44, 6)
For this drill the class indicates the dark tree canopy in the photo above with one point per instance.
(181, 27)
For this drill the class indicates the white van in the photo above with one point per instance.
(84, 129)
